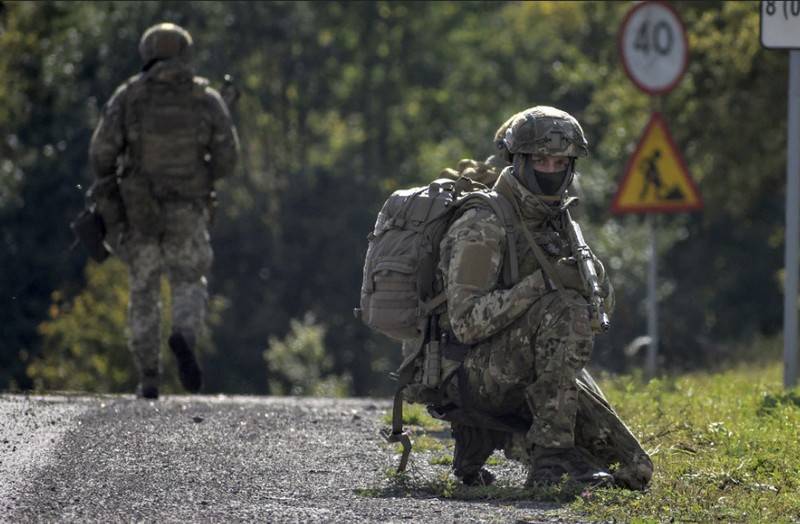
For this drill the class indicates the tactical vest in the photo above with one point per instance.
(168, 131)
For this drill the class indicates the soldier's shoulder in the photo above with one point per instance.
(476, 218)
(203, 86)
(125, 87)
(114, 105)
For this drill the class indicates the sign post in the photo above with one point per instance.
(780, 29)
(792, 226)
(654, 49)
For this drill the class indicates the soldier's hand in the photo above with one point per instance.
(570, 275)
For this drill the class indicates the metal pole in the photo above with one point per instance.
(652, 301)
(792, 225)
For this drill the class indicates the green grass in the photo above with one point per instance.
(442, 460)
(416, 416)
(725, 445)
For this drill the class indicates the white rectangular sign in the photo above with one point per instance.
(780, 24)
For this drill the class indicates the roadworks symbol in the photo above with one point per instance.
(656, 179)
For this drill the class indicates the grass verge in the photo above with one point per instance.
(726, 447)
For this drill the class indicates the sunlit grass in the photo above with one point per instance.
(726, 447)
(416, 415)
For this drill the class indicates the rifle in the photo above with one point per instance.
(90, 231)
(591, 282)
(230, 95)
(229, 91)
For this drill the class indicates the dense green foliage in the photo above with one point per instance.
(723, 447)
(344, 102)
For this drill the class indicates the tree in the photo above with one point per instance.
(344, 102)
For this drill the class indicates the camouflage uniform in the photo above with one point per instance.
(528, 343)
(164, 139)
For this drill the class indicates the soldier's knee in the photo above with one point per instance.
(145, 280)
(567, 317)
(190, 264)
(565, 334)
(144, 265)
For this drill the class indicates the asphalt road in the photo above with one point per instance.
(215, 459)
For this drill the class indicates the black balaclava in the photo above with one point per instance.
(550, 183)
(540, 182)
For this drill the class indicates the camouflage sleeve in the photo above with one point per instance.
(108, 140)
(224, 145)
(107, 144)
(472, 261)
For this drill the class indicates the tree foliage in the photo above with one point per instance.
(299, 364)
(343, 102)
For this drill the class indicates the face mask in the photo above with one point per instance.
(549, 183)
(539, 182)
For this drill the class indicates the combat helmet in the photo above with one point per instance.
(163, 41)
(542, 130)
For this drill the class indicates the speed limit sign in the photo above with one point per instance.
(653, 46)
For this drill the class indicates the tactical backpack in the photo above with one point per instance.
(168, 130)
(401, 288)
(402, 295)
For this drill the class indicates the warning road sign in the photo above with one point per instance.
(656, 179)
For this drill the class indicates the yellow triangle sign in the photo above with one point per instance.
(656, 179)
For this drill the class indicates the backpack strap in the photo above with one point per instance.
(505, 212)
(405, 375)
(541, 257)
(396, 433)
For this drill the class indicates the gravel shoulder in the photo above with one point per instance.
(215, 459)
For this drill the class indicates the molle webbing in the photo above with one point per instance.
(168, 136)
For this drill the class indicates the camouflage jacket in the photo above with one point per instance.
(471, 264)
(116, 153)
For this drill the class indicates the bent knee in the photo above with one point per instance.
(566, 316)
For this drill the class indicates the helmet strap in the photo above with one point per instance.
(150, 64)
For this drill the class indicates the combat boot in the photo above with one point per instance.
(148, 385)
(552, 465)
(188, 370)
(482, 477)
(472, 447)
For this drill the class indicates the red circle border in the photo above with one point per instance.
(679, 77)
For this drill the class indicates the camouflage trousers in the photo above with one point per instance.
(533, 369)
(180, 249)
(533, 364)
